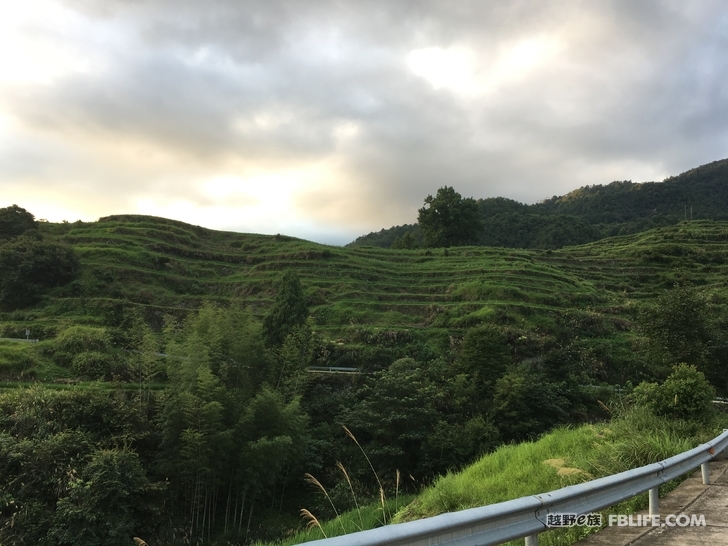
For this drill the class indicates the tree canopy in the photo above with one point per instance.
(29, 265)
(15, 221)
(449, 220)
(289, 310)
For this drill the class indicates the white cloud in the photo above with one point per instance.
(42, 41)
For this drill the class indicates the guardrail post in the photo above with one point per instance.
(532, 540)
(654, 502)
(705, 471)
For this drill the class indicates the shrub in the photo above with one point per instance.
(685, 394)
(15, 221)
(77, 340)
(30, 265)
(95, 365)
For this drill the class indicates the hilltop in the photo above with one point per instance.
(592, 212)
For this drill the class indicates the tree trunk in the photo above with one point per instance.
(250, 517)
(242, 507)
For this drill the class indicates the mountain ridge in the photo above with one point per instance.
(589, 213)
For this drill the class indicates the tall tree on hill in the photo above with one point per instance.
(485, 356)
(15, 221)
(682, 326)
(289, 310)
(449, 220)
(29, 265)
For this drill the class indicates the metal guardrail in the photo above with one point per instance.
(527, 516)
(20, 339)
(332, 369)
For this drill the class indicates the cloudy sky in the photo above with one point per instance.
(328, 119)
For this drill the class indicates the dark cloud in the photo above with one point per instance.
(561, 95)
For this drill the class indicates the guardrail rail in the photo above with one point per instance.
(527, 516)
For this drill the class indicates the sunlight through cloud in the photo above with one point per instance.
(519, 59)
(451, 68)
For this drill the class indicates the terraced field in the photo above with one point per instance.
(168, 267)
(642, 265)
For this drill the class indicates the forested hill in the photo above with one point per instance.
(590, 213)
(181, 388)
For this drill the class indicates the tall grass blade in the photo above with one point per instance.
(351, 435)
(312, 480)
(312, 521)
(351, 488)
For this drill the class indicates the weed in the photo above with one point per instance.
(312, 521)
(381, 488)
(310, 479)
(346, 520)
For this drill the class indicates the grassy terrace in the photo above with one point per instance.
(166, 266)
(141, 264)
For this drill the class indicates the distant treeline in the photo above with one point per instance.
(587, 214)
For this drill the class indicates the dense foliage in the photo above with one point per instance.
(15, 221)
(222, 450)
(72, 472)
(288, 311)
(449, 220)
(29, 262)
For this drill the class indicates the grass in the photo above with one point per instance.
(563, 457)
(360, 518)
(369, 516)
(161, 267)
(636, 438)
(21, 361)
(166, 267)
(159, 264)
(85, 385)
(16, 358)
(510, 472)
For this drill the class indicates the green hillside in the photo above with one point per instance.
(167, 266)
(162, 267)
(702, 189)
(153, 366)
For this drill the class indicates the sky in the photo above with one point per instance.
(328, 119)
